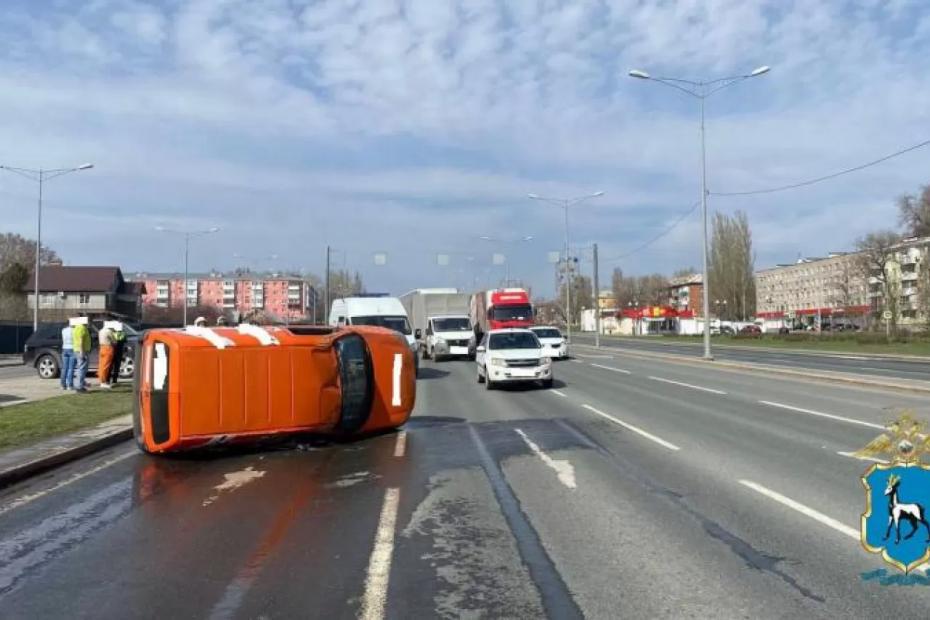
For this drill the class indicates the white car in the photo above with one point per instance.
(553, 341)
(512, 356)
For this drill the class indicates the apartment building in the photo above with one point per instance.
(812, 287)
(286, 297)
(685, 293)
(836, 286)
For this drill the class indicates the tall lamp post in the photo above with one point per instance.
(497, 240)
(565, 203)
(187, 234)
(40, 176)
(701, 91)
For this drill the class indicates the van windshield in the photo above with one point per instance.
(510, 313)
(451, 325)
(397, 323)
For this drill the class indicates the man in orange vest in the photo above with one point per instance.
(106, 341)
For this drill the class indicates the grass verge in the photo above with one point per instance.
(24, 424)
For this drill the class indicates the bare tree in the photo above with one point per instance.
(914, 213)
(18, 249)
(876, 261)
(732, 266)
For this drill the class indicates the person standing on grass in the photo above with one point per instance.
(80, 342)
(105, 362)
(119, 346)
(67, 357)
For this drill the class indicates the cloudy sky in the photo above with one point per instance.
(414, 127)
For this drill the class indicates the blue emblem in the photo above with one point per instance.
(897, 495)
(895, 521)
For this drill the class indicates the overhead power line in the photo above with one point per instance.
(826, 177)
(667, 230)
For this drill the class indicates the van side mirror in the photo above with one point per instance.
(480, 348)
(418, 333)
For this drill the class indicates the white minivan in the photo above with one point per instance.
(379, 311)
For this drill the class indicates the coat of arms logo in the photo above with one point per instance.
(897, 495)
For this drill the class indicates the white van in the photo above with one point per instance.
(379, 311)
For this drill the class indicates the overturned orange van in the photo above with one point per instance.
(199, 386)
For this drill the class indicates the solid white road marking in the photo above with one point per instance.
(620, 370)
(635, 429)
(688, 385)
(804, 510)
(400, 447)
(853, 455)
(27, 499)
(594, 356)
(562, 468)
(558, 393)
(822, 415)
(395, 387)
(577, 361)
(379, 565)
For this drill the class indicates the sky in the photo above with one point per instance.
(415, 127)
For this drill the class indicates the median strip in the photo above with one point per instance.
(804, 510)
(688, 385)
(635, 429)
(822, 414)
(620, 370)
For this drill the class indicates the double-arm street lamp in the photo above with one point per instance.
(40, 176)
(565, 203)
(187, 234)
(702, 90)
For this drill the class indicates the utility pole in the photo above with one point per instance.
(597, 302)
(326, 299)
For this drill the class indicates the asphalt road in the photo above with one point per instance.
(864, 364)
(634, 489)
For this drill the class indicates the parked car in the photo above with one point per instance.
(751, 330)
(726, 330)
(553, 341)
(512, 356)
(43, 350)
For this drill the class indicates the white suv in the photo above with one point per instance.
(553, 342)
(512, 356)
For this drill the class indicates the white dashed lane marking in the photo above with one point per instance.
(635, 429)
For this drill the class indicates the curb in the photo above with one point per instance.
(19, 473)
(897, 357)
(773, 370)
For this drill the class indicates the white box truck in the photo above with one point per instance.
(440, 321)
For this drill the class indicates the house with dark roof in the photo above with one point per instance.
(95, 291)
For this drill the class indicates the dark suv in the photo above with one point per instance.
(43, 350)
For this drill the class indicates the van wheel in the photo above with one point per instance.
(547, 383)
(488, 384)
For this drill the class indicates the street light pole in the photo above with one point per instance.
(565, 203)
(187, 234)
(701, 91)
(41, 176)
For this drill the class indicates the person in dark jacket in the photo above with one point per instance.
(119, 347)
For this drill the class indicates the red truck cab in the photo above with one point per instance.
(500, 309)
